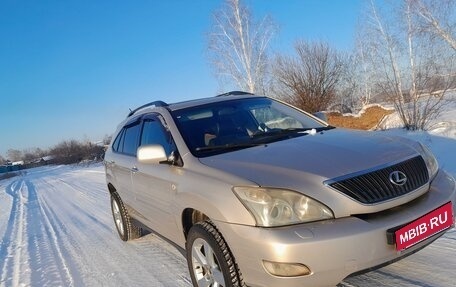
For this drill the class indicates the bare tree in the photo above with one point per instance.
(28, 156)
(73, 151)
(363, 69)
(107, 139)
(308, 81)
(411, 69)
(31, 155)
(351, 89)
(2, 160)
(238, 46)
(437, 18)
(14, 155)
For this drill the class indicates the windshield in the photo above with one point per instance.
(230, 125)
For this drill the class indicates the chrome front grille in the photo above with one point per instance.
(376, 186)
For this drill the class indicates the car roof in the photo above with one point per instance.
(192, 103)
(204, 101)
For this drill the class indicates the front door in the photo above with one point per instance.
(155, 184)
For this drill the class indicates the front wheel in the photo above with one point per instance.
(209, 259)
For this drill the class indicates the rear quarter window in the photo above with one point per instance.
(117, 141)
(131, 140)
(127, 141)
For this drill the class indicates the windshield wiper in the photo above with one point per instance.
(263, 138)
(315, 130)
(277, 134)
(327, 128)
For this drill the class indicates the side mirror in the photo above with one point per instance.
(321, 115)
(151, 154)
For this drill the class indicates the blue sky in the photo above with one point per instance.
(71, 69)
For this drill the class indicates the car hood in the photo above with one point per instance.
(304, 163)
(327, 154)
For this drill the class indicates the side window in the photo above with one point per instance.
(130, 141)
(155, 133)
(115, 145)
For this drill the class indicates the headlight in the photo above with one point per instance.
(277, 207)
(429, 159)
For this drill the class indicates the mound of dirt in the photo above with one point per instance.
(366, 121)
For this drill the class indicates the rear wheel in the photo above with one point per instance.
(125, 228)
(209, 259)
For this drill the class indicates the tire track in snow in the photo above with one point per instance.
(45, 245)
(345, 284)
(157, 258)
(84, 196)
(167, 258)
(83, 235)
(30, 252)
(12, 246)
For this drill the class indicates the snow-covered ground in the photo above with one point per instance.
(435, 265)
(56, 229)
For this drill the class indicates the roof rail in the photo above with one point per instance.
(235, 93)
(155, 103)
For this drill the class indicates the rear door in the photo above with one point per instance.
(123, 159)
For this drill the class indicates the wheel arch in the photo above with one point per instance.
(111, 188)
(191, 217)
(196, 206)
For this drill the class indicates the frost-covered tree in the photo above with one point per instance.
(238, 46)
(412, 69)
(436, 17)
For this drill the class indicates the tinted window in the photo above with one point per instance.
(115, 145)
(155, 133)
(243, 123)
(131, 137)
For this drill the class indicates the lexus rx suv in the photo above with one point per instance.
(257, 192)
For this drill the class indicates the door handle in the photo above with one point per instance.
(134, 169)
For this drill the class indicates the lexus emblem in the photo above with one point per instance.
(398, 178)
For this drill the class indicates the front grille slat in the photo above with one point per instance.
(375, 186)
(412, 181)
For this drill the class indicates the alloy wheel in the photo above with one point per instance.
(206, 267)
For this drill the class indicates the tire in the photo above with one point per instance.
(209, 259)
(125, 228)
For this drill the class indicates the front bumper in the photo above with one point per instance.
(332, 249)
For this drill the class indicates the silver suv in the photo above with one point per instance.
(260, 193)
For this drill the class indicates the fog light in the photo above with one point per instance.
(286, 269)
